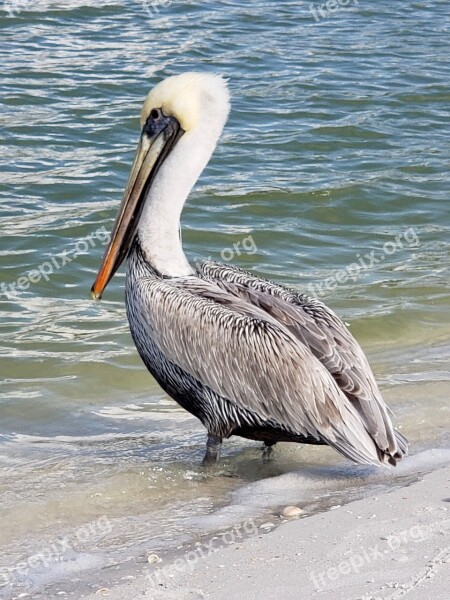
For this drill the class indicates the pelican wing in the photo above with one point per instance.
(246, 356)
(328, 339)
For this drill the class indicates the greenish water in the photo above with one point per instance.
(337, 148)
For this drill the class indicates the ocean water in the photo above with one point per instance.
(331, 176)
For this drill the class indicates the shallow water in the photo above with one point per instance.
(336, 148)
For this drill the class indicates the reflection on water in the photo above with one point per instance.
(336, 145)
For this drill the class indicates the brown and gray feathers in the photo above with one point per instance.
(263, 353)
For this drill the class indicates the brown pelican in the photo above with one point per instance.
(248, 357)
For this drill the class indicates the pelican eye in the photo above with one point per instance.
(155, 114)
(156, 122)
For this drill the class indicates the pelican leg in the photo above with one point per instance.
(267, 451)
(213, 446)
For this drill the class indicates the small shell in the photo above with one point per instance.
(292, 511)
(153, 558)
(266, 525)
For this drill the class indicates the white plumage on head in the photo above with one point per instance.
(192, 98)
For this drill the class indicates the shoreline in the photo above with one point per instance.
(381, 547)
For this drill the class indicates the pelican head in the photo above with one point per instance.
(181, 121)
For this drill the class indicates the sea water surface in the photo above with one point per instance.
(331, 176)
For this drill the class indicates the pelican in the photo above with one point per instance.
(246, 356)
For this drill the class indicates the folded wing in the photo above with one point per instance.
(251, 358)
(328, 339)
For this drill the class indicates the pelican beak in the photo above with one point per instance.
(157, 139)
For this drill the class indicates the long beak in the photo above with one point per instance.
(153, 148)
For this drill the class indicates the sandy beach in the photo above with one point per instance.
(387, 546)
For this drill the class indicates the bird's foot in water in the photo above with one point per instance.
(213, 447)
(267, 451)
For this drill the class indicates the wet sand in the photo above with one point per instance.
(384, 547)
